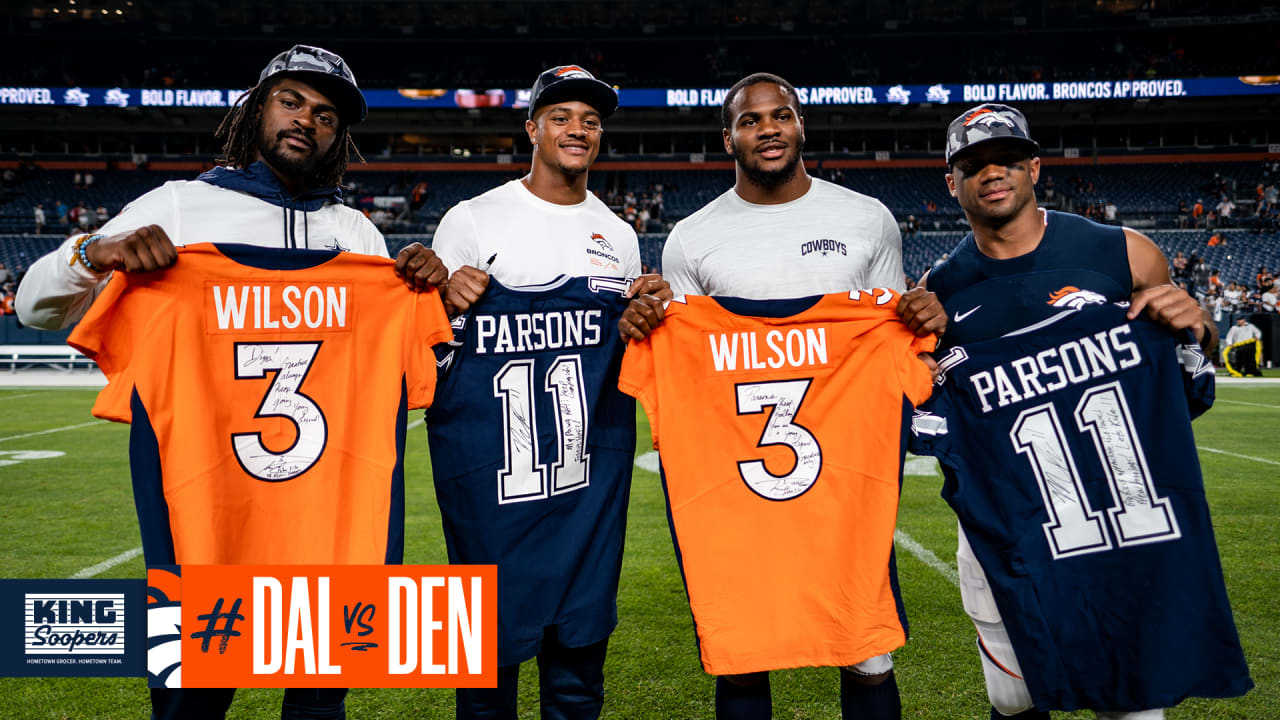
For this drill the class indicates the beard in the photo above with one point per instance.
(298, 168)
(768, 179)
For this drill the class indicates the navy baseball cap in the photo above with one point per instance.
(987, 122)
(570, 82)
(325, 71)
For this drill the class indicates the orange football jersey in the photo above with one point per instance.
(781, 431)
(267, 391)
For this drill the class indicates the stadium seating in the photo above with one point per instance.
(1140, 191)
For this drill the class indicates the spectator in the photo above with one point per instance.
(84, 216)
(1179, 265)
(1215, 283)
(1269, 299)
(101, 216)
(6, 299)
(1183, 214)
(1264, 280)
(1225, 208)
(1197, 214)
(1234, 296)
(60, 210)
(1242, 360)
(418, 195)
(1199, 274)
(642, 220)
(1215, 239)
(6, 275)
(40, 219)
(1110, 213)
(78, 181)
(88, 181)
(910, 228)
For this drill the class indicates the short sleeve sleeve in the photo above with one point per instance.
(428, 326)
(455, 240)
(676, 269)
(639, 380)
(886, 264)
(106, 335)
(917, 381)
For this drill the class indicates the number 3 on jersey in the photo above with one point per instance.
(785, 397)
(522, 476)
(291, 363)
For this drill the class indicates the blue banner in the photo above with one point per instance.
(73, 628)
(940, 94)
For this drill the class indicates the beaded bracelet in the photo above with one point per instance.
(82, 252)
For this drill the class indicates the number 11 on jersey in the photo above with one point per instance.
(522, 476)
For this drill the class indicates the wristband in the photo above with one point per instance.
(81, 253)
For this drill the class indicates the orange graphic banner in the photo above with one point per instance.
(322, 626)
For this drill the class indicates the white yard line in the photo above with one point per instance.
(926, 556)
(1234, 402)
(1238, 455)
(14, 397)
(107, 564)
(54, 430)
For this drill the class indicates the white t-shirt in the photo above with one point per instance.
(57, 292)
(534, 240)
(1269, 300)
(831, 239)
(1241, 333)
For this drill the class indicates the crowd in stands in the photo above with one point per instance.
(1235, 234)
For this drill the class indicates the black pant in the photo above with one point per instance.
(571, 684)
(212, 703)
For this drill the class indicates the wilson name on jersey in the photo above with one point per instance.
(781, 430)
(1069, 459)
(267, 390)
(531, 450)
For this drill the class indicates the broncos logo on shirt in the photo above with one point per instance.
(1073, 297)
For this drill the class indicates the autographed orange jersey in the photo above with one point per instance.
(781, 431)
(267, 390)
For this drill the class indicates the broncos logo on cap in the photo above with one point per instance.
(987, 116)
(572, 71)
(1073, 297)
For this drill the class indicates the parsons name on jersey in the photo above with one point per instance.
(1072, 362)
(533, 332)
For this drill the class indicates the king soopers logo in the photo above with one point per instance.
(74, 624)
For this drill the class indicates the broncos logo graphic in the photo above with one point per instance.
(1075, 298)
(572, 71)
(599, 240)
(164, 628)
(987, 116)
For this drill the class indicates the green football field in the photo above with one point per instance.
(66, 509)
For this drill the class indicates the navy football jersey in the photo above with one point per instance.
(1078, 262)
(532, 446)
(1069, 459)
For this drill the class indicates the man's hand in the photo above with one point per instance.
(920, 310)
(464, 289)
(1169, 306)
(648, 294)
(146, 249)
(420, 268)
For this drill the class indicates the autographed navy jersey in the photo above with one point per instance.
(1078, 262)
(532, 446)
(1070, 461)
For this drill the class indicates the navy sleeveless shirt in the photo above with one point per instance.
(1078, 262)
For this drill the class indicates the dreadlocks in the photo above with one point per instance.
(239, 132)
